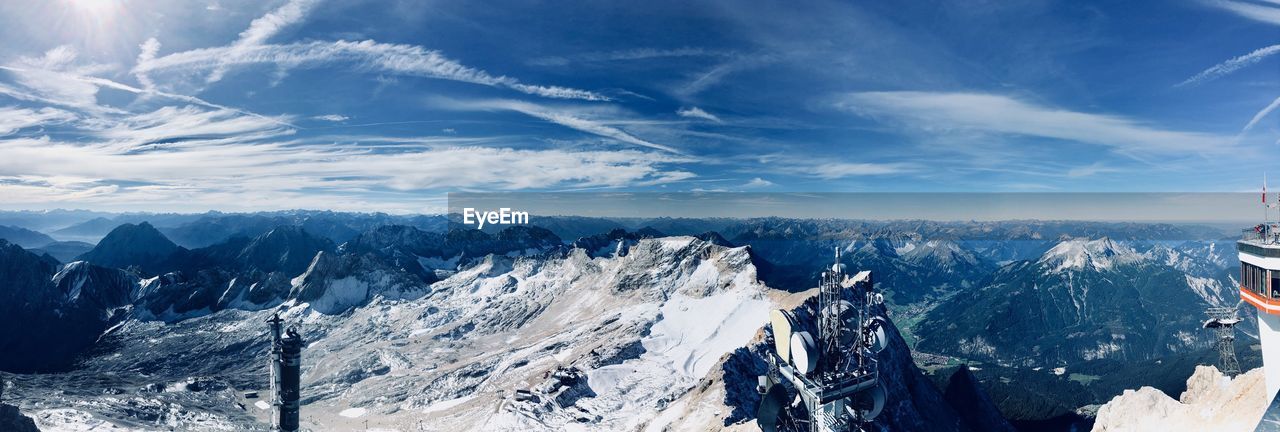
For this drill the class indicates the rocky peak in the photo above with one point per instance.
(1081, 254)
(944, 253)
(90, 286)
(23, 273)
(286, 248)
(140, 245)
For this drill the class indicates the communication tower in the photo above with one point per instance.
(823, 375)
(286, 374)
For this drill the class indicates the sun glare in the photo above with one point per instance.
(94, 7)
(94, 25)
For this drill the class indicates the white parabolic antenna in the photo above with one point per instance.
(878, 339)
(780, 320)
(869, 403)
(804, 352)
(847, 316)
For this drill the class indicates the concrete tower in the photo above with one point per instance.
(1260, 286)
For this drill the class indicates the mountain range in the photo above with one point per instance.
(1081, 300)
(1012, 297)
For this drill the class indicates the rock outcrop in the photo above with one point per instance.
(1212, 402)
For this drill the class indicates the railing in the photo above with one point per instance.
(1264, 234)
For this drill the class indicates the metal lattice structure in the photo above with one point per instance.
(286, 374)
(823, 374)
(1223, 320)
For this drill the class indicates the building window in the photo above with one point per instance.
(1275, 282)
(1258, 280)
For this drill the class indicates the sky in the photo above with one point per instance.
(123, 105)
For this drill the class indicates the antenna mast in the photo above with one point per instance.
(834, 374)
(286, 375)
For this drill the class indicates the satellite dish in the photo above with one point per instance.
(869, 404)
(877, 340)
(804, 352)
(837, 268)
(847, 315)
(782, 322)
(771, 404)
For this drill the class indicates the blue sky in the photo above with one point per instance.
(387, 106)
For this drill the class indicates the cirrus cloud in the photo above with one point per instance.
(367, 55)
(695, 112)
(992, 113)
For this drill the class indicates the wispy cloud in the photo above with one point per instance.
(702, 81)
(332, 118)
(695, 112)
(757, 183)
(169, 125)
(369, 56)
(629, 55)
(13, 119)
(57, 79)
(147, 52)
(1264, 13)
(828, 168)
(262, 29)
(836, 170)
(561, 117)
(1260, 115)
(992, 113)
(56, 76)
(260, 175)
(1232, 65)
(1090, 170)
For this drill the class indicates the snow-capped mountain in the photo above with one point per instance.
(918, 270)
(1084, 254)
(1207, 259)
(645, 339)
(1081, 300)
(941, 254)
(462, 329)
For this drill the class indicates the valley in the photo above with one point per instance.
(413, 327)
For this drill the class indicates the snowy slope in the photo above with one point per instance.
(601, 343)
(1098, 254)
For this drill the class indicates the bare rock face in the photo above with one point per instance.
(1212, 402)
(54, 313)
(14, 421)
(964, 394)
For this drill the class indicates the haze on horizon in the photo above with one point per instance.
(1228, 209)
